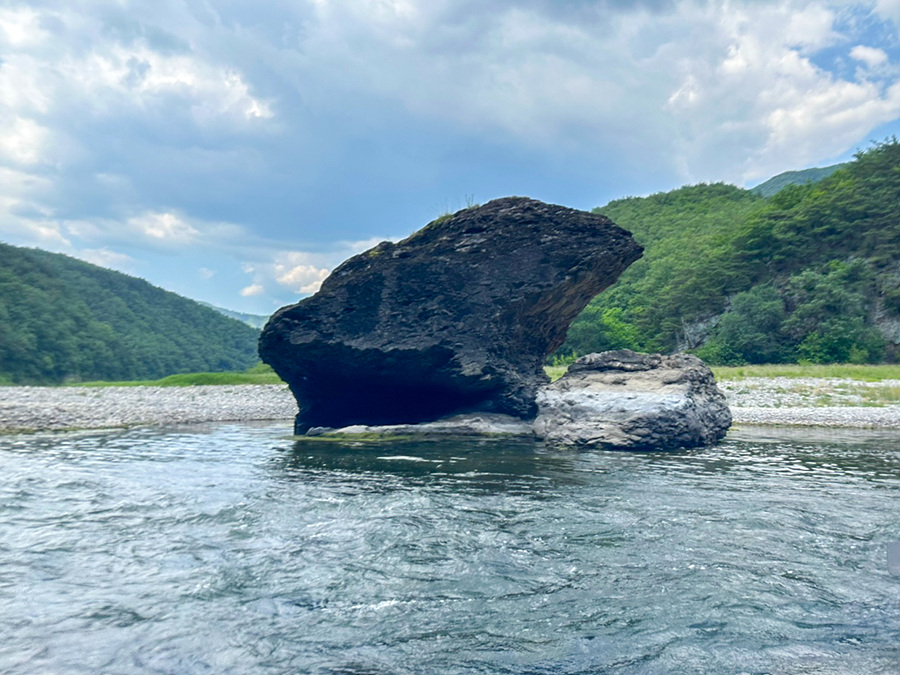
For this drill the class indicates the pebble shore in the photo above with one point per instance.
(56, 408)
(813, 402)
(753, 401)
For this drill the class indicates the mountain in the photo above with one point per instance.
(777, 183)
(811, 273)
(255, 320)
(62, 319)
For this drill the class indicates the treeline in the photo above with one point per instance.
(809, 274)
(62, 319)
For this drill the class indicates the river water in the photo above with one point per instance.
(235, 549)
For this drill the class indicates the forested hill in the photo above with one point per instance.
(811, 273)
(62, 319)
(777, 183)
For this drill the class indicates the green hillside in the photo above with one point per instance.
(62, 319)
(810, 274)
(777, 183)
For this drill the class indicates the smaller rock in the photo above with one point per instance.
(470, 424)
(630, 401)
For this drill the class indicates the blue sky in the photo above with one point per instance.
(235, 151)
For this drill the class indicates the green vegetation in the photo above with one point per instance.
(810, 275)
(64, 320)
(555, 372)
(828, 323)
(777, 183)
(686, 273)
(258, 374)
(862, 373)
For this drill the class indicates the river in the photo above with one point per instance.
(232, 548)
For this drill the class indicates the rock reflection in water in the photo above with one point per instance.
(481, 464)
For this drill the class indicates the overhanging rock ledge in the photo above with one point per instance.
(458, 317)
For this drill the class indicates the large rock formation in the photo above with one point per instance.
(458, 317)
(625, 400)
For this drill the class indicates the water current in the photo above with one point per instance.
(236, 549)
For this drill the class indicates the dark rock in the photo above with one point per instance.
(458, 317)
(625, 400)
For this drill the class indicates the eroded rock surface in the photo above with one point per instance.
(467, 424)
(456, 318)
(622, 399)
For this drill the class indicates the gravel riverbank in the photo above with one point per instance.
(53, 408)
(814, 402)
(753, 401)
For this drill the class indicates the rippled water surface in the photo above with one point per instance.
(235, 549)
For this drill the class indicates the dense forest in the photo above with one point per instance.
(810, 274)
(62, 319)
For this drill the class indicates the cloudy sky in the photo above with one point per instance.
(234, 151)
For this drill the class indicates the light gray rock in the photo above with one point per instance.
(470, 424)
(625, 400)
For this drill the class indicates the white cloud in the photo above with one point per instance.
(41, 233)
(252, 290)
(301, 272)
(134, 76)
(22, 140)
(156, 231)
(107, 258)
(301, 278)
(703, 86)
(165, 227)
(116, 78)
(20, 27)
(871, 56)
(64, 87)
(890, 9)
(751, 102)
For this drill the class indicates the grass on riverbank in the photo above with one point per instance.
(846, 371)
(258, 374)
(263, 374)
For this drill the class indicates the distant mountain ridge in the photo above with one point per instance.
(63, 319)
(813, 175)
(255, 320)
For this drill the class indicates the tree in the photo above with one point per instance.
(751, 331)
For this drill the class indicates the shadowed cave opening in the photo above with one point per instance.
(401, 387)
(376, 402)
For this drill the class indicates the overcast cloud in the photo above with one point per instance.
(236, 151)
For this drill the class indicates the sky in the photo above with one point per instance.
(235, 151)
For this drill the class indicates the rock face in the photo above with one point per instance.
(456, 318)
(467, 424)
(625, 400)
